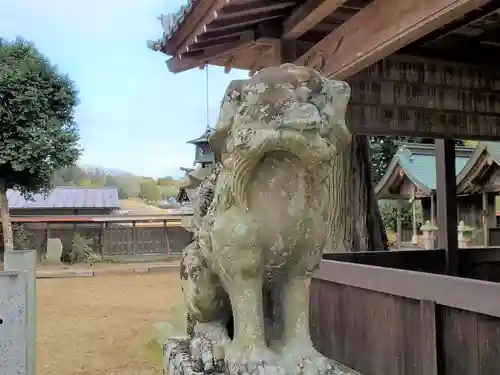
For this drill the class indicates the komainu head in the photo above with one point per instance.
(287, 108)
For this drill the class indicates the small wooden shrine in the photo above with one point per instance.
(411, 175)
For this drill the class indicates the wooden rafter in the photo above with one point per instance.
(226, 40)
(245, 19)
(308, 15)
(181, 63)
(369, 35)
(476, 15)
(173, 44)
(211, 14)
(213, 33)
(254, 7)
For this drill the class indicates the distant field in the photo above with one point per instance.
(140, 208)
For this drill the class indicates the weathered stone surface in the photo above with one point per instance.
(13, 329)
(260, 226)
(54, 251)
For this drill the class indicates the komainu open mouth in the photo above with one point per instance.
(309, 146)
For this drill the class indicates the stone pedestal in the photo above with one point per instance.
(178, 360)
(428, 236)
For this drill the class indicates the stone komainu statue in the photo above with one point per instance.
(261, 221)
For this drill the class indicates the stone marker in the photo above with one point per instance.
(25, 261)
(54, 251)
(12, 323)
(260, 225)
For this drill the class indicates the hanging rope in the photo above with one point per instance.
(207, 97)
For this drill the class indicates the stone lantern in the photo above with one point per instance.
(428, 236)
(464, 234)
(203, 154)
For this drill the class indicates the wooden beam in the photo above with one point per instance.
(219, 33)
(214, 42)
(182, 63)
(212, 37)
(254, 7)
(485, 214)
(472, 17)
(457, 292)
(447, 203)
(245, 20)
(308, 15)
(380, 29)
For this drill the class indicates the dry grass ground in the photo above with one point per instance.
(138, 207)
(102, 325)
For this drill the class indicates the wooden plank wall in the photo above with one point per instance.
(382, 321)
(402, 94)
(122, 241)
(115, 240)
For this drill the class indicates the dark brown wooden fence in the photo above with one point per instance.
(143, 241)
(112, 240)
(395, 321)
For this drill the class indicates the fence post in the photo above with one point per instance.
(25, 260)
(101, 239)
(134, 238)
(167, 242)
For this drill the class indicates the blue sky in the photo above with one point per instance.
(134, 114)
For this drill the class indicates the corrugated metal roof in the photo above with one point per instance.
(67, 197)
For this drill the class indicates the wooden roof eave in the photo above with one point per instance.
(191, 24)
(183, 30)
(181, 63)
(472, 170)
(382, 188)
(387, 179)
(357, 43)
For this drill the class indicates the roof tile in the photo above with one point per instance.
(171, 22)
